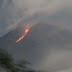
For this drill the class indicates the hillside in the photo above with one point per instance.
(38, 42)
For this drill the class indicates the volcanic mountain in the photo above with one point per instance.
(38, 42)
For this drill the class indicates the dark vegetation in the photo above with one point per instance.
(7, 63)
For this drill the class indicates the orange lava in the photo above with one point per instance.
(26, 31)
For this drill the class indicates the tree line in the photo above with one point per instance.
(7, 62)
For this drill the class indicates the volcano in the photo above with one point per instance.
(38, 42)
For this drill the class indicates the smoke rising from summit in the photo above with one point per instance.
(13, 12)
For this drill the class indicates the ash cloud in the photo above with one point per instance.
(12, 12)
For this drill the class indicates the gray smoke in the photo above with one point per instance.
(12, 12)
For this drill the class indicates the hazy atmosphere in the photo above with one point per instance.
(48, 43)
(12, 12)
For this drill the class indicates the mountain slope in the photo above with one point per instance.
(38, 42)
(40, 35)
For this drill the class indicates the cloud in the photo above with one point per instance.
(34, 6)
(67, 70)
(14, 11)
(58, 59)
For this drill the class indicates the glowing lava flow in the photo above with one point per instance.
(26, 31)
